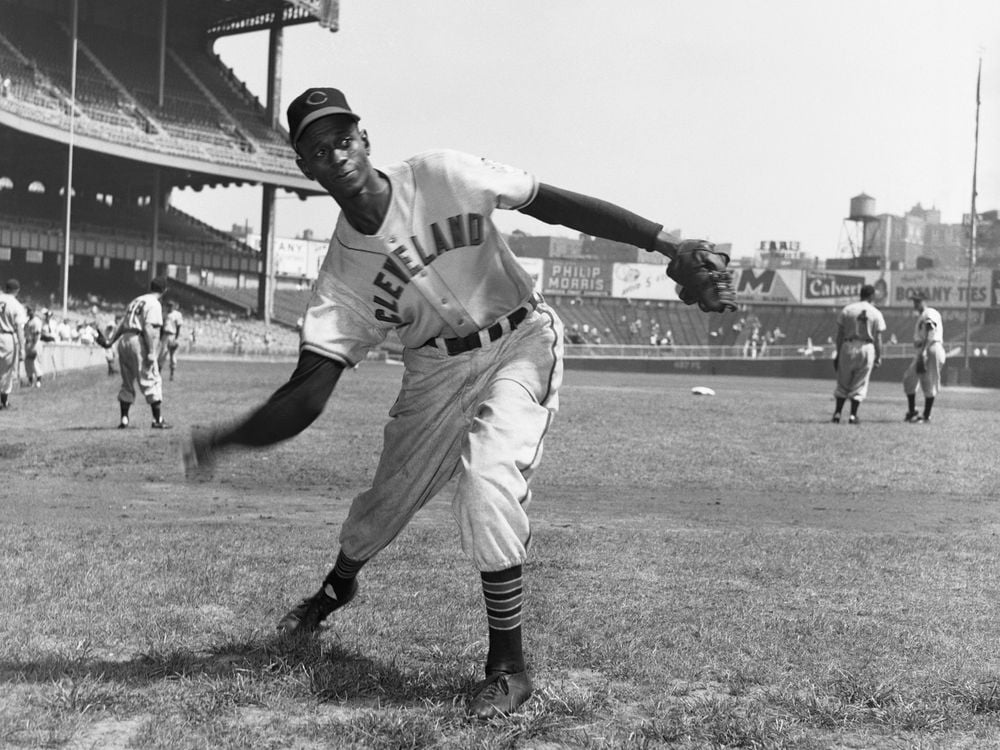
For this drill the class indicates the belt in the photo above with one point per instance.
(485, 335)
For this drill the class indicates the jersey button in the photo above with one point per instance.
(444, 301)
(392, 240)
(460, 321)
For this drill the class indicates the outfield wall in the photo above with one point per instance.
(984, 371)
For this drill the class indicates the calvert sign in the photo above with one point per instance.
(943, 288)
(841, 287)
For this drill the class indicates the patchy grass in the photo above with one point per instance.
(730, 572)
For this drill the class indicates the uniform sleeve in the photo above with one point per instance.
(506, 187)
(154, 313)
(337, 323)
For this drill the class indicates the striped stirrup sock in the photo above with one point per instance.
(503, 592)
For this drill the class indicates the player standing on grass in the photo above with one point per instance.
(925, 369)
(415, 250)
(13, 316)
(137, 335)
(860, 326)
(170, 338)
(32, 342)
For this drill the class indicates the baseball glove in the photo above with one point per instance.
(102, 340)
(702, 276)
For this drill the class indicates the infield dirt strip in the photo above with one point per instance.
(623, 448)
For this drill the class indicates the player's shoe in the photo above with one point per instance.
(123, 423)
(836, 418)
(922, 419)
(911, 416)
(159, 424)
(307, 616)
(502, 693)
(853, 419)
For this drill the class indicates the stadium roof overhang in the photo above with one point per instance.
(36, 151)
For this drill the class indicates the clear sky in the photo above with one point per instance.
(733, 120)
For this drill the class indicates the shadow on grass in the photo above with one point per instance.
(326, 670)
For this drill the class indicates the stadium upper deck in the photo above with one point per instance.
(185, 112)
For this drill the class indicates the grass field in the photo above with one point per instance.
(727, 571)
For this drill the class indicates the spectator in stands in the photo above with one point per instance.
(574, 336)
(48, 327)
(64, 331)
(5, 87)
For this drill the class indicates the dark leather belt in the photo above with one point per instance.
(491, 333)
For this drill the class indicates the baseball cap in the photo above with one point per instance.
(12, 285)
(159, 284)
(917, 296)
(311, 105)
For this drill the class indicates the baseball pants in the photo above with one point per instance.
(854, 370)
(136, 367)
(930, 380)
(31, 367)
(481, 415)
(8, 362)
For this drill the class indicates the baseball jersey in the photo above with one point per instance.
(438, 266)
(860, 321)
(929, 328)
(32, 333)
(144, 310)
(13, 316)
(172, 322)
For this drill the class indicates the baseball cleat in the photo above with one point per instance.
(853, 420)
(306, 616)
(836, 418)
(159, 424)
(123, 423)
(501, 694)
(911, 416)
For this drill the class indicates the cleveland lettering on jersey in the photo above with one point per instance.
(409, 258)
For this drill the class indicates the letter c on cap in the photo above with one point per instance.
(316, 98)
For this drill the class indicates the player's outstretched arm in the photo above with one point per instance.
(700, 271)
(289, 410)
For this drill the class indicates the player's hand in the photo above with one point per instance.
(198, 453)
(878, 362)
(702, 276)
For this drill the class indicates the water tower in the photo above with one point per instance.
(861, 224)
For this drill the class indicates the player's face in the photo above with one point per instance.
(333, 152)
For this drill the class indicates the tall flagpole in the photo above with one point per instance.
(972, 223)
(69, 163)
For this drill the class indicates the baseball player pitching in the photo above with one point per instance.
(137, 343)
(860, 326)
(929, 358)
(415, 250)
(13, 316)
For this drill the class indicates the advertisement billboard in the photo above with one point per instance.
(944, 288)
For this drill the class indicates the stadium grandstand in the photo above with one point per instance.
(127, 100)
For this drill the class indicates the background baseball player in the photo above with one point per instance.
(170, 338)
(12, 319)
(929, 358)
(859, 351)
(415, 250)
(137, 336)
(32, 344)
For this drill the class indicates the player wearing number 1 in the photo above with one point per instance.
(859, 351)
